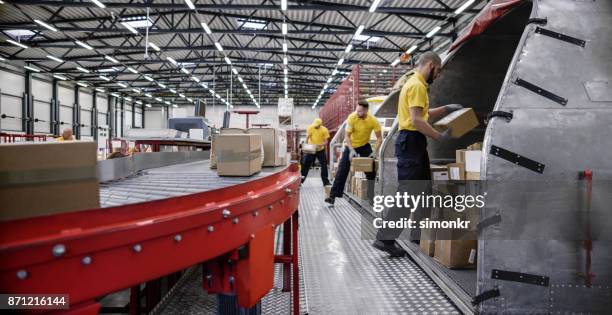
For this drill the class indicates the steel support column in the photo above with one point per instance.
(133, 115)
(94, 115)
(122, 115)
(76, 114)
(27, 106)
(110, 116)
(54, 118)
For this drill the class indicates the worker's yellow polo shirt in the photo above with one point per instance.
(317, 136)
(413, 94)
(361, 129)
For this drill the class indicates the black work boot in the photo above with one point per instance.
(389, 247)
(330, 200)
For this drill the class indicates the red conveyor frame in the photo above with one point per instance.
(172, 234)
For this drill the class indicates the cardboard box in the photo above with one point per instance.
(238, 155)
(456, 171)
(232, 131)
(456, 253)
(274, 143)
(427, 241)
(364, 188)
(327, 190)
(472, 175)
(362, 164)
(309, 148)
(461, 122)
(439, 172)
(460, 156)
(475, 146)
(47, 178)
(472, 161)
(213, 156)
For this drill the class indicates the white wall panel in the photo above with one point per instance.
(65, 117)
(42, 111)
(65, 95)
(85, 99)
(138, 119)
(10, 106)
(102, 102)
(42, 90)
(86, 120)
(102, 119)
(154, 119)
(128, 118)
(11, 83)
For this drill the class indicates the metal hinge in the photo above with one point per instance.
(540, 21)
(538, 90)
(561, 37)
(486, 295)
(494, 219)
(499, 113)
(520, 277)
(517, 159)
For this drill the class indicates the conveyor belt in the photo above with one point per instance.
(169, 181)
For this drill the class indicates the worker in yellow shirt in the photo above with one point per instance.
(413, 114)
(66, 135)
(318, 135)
(359, 127)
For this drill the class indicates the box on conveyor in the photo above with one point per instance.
(274, 143)
(461, 122)
(47, 178)
(427, 242)
(456, 253)
(232, 131)
(238, 154)
(439, 172)
(309, 148)
(362, 164)
(456, 171)
(327, 190)
(364, 188)
(471, 160)
(213, 156)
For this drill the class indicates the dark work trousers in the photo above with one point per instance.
(344, 167)
(309, 159)
(414, 178)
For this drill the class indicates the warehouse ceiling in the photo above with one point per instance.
(233, 52)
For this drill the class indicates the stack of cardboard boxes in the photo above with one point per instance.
(360, 186)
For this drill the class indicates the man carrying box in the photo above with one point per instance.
(318, 135)
(359, 127)
(411, 143)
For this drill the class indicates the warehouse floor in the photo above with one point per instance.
(340, 272)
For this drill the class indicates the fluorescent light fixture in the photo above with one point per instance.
(2, 59)
(219, 47)
(55, 58)
(82, 44)
(185, 71)
(334, 72)
(284, 5)
(138, 102)
(161, 85)
(240, 79)
(348, 49)
(111, 69)
(130, 28)
(190, 99)
(17, 43)
(329, 80)
(158, 99)
(172, 60)
(115, 95)
(413, 48)
(190, 4)
(148, 95)
(132, 70)
(45, 25)
(60, 77)
(286, 80)
(285, 71)
(127, 98)
(121, 85)
(369, 39)
(384, 71)
(138, 22)
(136, 90)
(206, 28)
(173, 91)
(433, 31)
(325, 87)
(109, 58)
(284, 47)
(32, 68)
(252, 24)
(228, 61)
(284, 28)
(154, 46)
(359, 30)
(98, 3)
(218, 96)
(234, 71)
(195, 79)
(211, 91)
(341, 61)
(466, 5)
(204, 85)
(148, 105)
(182, 95)
(82, 84)
(395, 62)
(372, 81)
(149, 78)
(285, 61)
(104, 78)
(374, 5)
(100, 90)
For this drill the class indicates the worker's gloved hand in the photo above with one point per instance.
(352, 153)
(372, 155)
(446, 135)
(452, 107)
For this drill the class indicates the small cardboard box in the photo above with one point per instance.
(460, 156)
(456, 171)
(238, 155)
(456, 253)
(475, 146)
(364, 188)
(439, 172)
(427, 242)
(47, 178)
(472, 161)
(461, 122)
(232, 131)
(362, 164)
(213, 156)
(309, 148)
(472, 175)
(327, 190)
(274, 143)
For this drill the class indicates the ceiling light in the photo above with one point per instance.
(17, 44)
(433, 31)
(98, 3)
(45, 25)
(219, 47)
(82, 69)
(240, 79)
(154, 46)
(173, 91)
(195, 79)
(2, 59)
(284, 47)
(284, 5)
(211, 91)
(82, 44)
(139, 102)
(244, 86)
(206, 28)
(161, 85)
(185, 71)
(204, 85)
(132, 70)
(55, 58)
(466, 5)
(148, 95)
(395, 62)
(105, 78)
(341, 61)
(218, 96)
(61, 77)
(137, 22)
(111, 69)
(369, 39)
(348, 49)
(100, 90)
(127, 98)
(285, 71)
(149, 78)
(158, 99)
(359, 30)
(190, 4)
(190, 99)
(228, 61)
(234, 71)
(148, 105)
(284, 29)
(252, 24)
(130, 28)
(374, 5)
(109, 58)
(334, 72)
(285, 60)
(32, 68)
(122, 85)
(182, 95)
(115, 95)
(413, 48)
(136, 90)
(329, 80)
(172, 60)
(82, 84)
